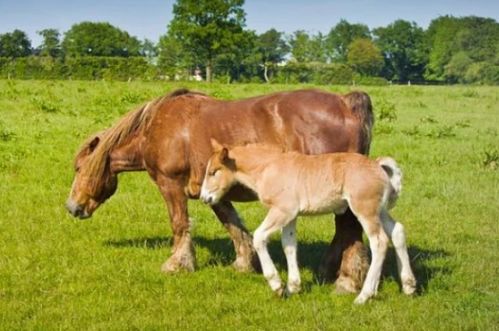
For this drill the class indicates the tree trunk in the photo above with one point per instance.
(265, 72)
(208, 71)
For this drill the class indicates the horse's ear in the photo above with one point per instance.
(93, 144)
(217, 147)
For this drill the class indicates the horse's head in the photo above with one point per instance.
(219, 176)
(94, 181)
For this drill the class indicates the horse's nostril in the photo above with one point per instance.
(74, 209)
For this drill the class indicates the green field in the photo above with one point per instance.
(104, 274)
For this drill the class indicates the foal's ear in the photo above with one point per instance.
(223, 156)
(217, 147)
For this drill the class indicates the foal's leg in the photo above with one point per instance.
(288, 240)
(246, 259)
(274, 221)
(396, 232)
(378, 242)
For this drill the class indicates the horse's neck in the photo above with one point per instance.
(128, 156)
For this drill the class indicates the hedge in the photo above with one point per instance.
(81, 68)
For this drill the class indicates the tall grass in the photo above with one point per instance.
(103, 274)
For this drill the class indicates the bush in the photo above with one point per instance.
(82, 68)
(316, 73)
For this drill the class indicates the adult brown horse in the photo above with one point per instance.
(170, 138)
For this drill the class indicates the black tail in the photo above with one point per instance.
(361, 106)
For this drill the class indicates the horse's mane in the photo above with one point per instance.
(118, 134)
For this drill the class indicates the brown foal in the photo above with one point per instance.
(292, 184)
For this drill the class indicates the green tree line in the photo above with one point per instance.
(209, 39)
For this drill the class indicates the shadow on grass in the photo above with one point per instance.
(309, 256)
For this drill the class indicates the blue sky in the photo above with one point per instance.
(149, 18)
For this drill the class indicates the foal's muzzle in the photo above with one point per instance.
(208, 200)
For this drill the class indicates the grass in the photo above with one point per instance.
(103, 274)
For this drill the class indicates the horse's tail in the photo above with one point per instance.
(361, 106)
(395, 174)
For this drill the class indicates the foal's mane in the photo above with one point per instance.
(116, 135)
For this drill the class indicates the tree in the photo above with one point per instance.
(208, 28)
(306, 48)
(404, 49)
(148, 49)
(299, 46)
(365, 57)
(462, 49)
(99, 39)
(272, 49)
(15, 44)
(342, 35)
(171, 56)
(51, 45)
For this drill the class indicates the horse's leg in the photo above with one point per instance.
(288, 240)
(183, 255)
(378, 242)
(246, 259)
(345, 260)
(395, 231)
(274, 221)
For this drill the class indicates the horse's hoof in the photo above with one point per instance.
(173, 265)
(242, 265)
(345, 286)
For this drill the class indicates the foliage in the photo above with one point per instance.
(208, 40)
(385, 110)
(365, 57)
(208, 28)
(341, 36)
(87, 68)
(99, 39)
(271, 49)
(104, 273)
(317, 73)
(15, 44)
(306, 48)
(463, 50)
(51, 45)
(404, 49)
(490, 158)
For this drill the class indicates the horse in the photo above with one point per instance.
(169, 137)
(290, 184)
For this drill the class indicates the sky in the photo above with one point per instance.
(149, 18)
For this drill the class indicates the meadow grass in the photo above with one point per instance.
(104, 274)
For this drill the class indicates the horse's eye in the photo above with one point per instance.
(214, 172)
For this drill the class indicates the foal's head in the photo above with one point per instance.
(219, 176)
(93, 182)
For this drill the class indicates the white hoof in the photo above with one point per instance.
(361, 299)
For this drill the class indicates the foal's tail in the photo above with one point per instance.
(395, 174)
(361, 106)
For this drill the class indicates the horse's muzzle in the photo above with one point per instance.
(76, 210)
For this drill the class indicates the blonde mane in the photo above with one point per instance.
(118, 134)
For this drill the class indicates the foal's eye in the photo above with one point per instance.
(214, 172)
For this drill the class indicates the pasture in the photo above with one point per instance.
(57, 272)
